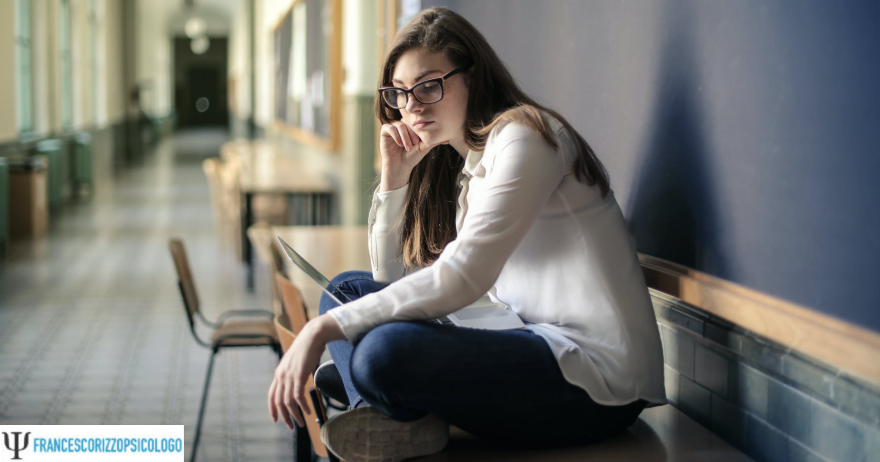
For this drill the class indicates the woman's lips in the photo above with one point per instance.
(422, 124)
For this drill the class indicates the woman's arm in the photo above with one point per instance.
(522, 176)
(401, 151)
(384, 230)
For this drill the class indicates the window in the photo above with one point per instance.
(93, 61)
(24, 67)
(66, 64)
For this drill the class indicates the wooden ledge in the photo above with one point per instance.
(848, 347)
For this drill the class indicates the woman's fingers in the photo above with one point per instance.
(300, 395)
(413, 136)
(281, 410)
(392, 132)
(404, 135)
(273, 411)
(290, 409)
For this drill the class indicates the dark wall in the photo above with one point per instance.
(741, 137)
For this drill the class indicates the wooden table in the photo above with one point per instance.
(265, 169)
(330, 249)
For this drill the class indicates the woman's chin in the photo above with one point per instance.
(431, 137)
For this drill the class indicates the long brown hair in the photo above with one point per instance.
(493, 97)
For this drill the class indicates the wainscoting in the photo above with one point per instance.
(769, 400)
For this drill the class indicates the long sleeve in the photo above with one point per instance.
(523, 170)
(384, 229)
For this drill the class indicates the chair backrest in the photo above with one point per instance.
(293, 302)
(213, 168)
(184, 278)
(230, 196)
(276, 263)
(286, 337)
(233, 150)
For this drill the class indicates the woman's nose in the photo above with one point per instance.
(413, 105)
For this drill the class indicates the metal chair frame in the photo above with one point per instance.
(258, 340)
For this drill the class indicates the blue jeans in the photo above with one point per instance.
(496, 385)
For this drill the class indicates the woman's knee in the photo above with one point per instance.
(382, 357)
(339, 281)
(346, 276)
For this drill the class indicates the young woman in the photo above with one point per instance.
(482, 191)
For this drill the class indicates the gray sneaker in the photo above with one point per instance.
(365, 434)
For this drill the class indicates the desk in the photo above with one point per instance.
(266, 170)
(330, 249)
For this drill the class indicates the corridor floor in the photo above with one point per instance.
(92, 329)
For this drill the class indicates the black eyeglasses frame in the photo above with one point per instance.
(411, 91)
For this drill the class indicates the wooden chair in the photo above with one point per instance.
(292, 301)
(227, 333)
(276, 265)
(311, 433)
(212, 168)
(296, 315)
(231, 197)
(260, 235)
(272, 208)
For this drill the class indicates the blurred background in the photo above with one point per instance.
(741, 140)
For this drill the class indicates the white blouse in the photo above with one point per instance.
(536, 239)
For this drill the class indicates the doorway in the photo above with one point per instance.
(200, 84)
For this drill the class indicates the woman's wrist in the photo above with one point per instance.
(328, 329)
(393, 179)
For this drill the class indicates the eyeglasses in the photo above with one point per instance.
(426, 92)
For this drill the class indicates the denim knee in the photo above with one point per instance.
(379, 357)
(326, 304)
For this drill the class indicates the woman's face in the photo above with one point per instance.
(440, 121)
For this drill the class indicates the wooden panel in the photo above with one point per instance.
(838, 343)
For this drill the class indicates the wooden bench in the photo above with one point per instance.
(661, 433)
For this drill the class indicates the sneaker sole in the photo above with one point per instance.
(366, 435)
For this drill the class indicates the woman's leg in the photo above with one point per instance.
(498, 385)
(354, 284)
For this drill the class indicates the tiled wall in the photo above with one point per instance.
(765, 399)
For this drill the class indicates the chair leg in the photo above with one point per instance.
(303, 451)
(202, 406)
(321, 415)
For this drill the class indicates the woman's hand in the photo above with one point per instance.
(287, 394)
(401, 151)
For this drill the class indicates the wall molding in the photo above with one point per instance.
(850, 348)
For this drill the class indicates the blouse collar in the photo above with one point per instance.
(471, 162)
